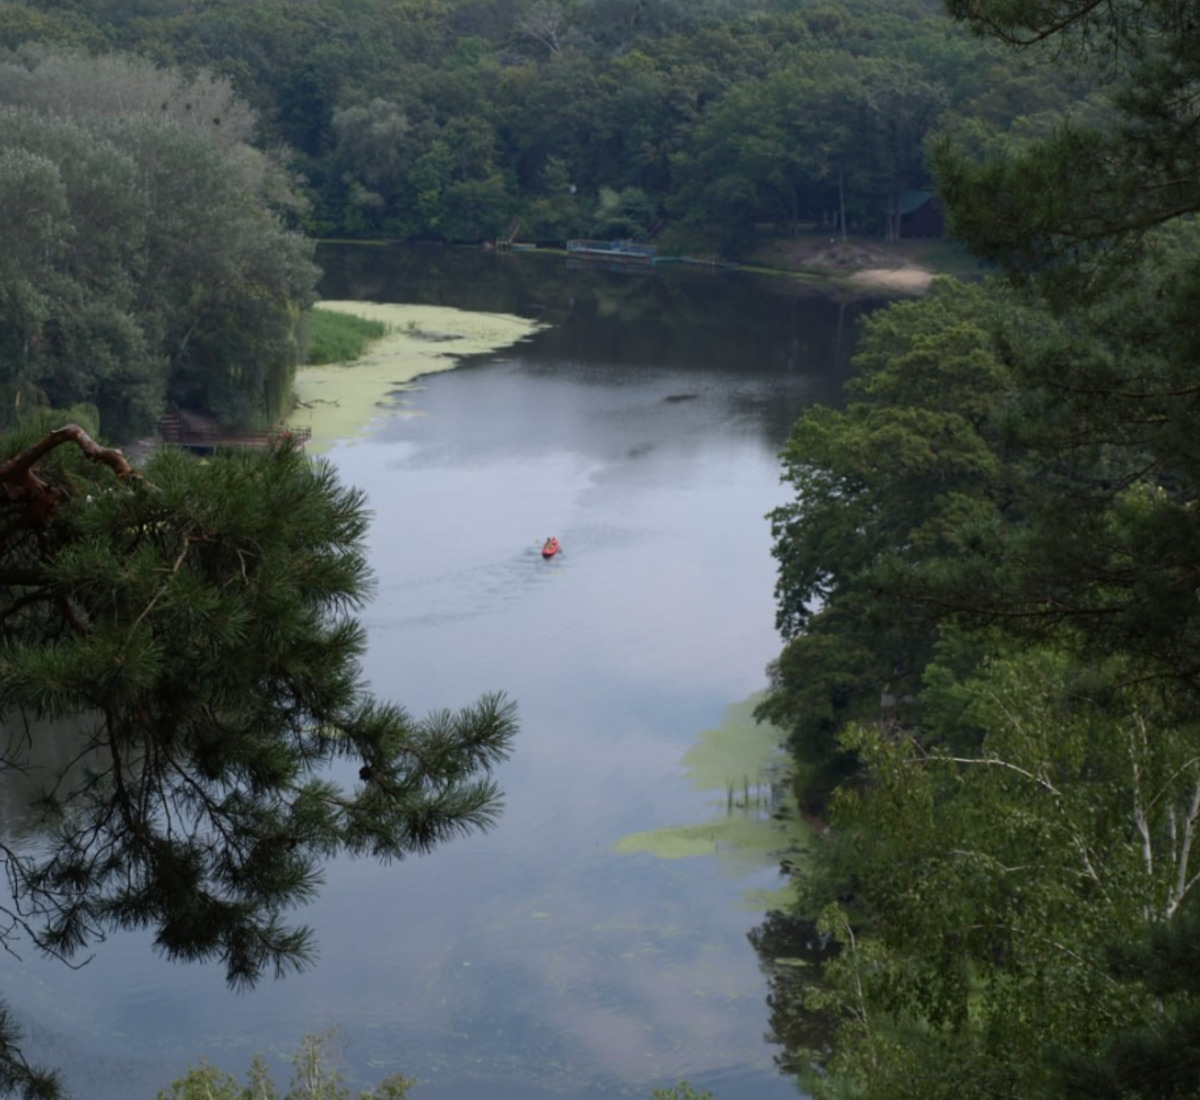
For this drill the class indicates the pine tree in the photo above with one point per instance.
(188, 629)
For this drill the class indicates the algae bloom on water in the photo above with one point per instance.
(339, 400)
(753, 822)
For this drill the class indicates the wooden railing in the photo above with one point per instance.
(172, 429)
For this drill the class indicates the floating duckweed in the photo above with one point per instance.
(339, 400)
(741, 760)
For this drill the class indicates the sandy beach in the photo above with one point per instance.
(906, 280)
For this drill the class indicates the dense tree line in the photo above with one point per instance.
(147, 257)
(461, 120)
(163, 167)
(989, 598)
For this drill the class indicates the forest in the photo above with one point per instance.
(988, 597)
(472, 120)
(167, 165)
(988, 594)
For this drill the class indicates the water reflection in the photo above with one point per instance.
(791, 951)
(37, 757)
(673, 318)
(537, 961)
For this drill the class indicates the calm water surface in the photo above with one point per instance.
(642, 427)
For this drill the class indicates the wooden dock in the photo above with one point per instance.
(202, 435)
(628, 252)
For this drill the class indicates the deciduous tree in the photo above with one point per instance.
(157, 263)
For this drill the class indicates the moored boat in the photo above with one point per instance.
(623, 251)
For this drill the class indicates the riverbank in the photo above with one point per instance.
(867, 264)
(903, 267)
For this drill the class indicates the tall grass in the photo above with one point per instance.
(339, 337)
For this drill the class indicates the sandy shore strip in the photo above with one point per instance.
(339, 400)
(908, 280)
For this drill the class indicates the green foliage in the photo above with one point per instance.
(902, 490)
(1126, 160)
(206, 1082)
(146, 261)
(990, 537)
(681, 1091)
(997, 882)
(441, 120)
(1009, 503)
(1155, 1055)
(339, 337)
(315, 1077)
(17, 1076)
(555, 215)
(628, 214)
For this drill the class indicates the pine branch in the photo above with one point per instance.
(18, 470)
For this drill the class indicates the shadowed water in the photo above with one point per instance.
(642, 428)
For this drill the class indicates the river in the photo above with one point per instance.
(641, 425)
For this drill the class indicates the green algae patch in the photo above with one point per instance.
(754, 820)
(740, 751)
(784, 897)
(736, 837)
(338, 401)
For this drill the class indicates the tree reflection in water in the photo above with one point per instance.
(791, 953)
